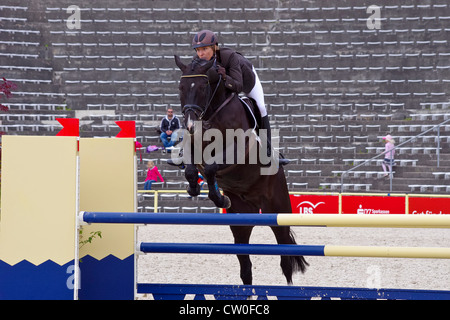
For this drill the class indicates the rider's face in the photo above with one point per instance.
(205, 53)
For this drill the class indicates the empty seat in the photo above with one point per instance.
(439, 175)
(294, 173)
(313, 172)
(347, 149)
(296, 185)
(326, 161)
(170, 173)
(208, 209)
(168, 196)
(311, 150)
(171, 209)
(440, 188)
(330, 149)
(174, 184)
(189, 209)
(308, 161)
(294, 149)
(325, 138)
(289, 138)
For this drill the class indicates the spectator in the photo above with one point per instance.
(169, 124)
(152, 175)
(389, 154)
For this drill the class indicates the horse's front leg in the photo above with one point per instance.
(191, 175)
(221, 201)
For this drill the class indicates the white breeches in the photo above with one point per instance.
(257, 94)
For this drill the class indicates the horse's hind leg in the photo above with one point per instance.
(289, 264)
(242, 235)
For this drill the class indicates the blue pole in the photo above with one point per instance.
(228, 248)
(181, 218)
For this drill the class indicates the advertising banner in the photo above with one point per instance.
(419, 205)
(373, 205)
(362, 204)
(314, 204)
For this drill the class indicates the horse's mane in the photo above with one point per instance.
(197, 62)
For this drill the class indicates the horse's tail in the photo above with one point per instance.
(298, 263)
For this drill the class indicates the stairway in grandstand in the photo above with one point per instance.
(333, 86)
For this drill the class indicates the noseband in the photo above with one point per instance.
(199, 111)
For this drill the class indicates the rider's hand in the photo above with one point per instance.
(221, 70)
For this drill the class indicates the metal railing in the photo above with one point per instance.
(340, 196)
(438, 151)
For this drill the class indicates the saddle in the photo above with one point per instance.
(252, 111)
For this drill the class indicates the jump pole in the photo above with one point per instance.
(297, 250)
(248, 219)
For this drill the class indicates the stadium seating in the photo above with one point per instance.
(334, 85)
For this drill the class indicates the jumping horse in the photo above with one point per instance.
(206, 105)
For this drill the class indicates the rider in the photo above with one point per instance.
(237, 72)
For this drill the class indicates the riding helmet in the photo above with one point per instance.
(204, 38)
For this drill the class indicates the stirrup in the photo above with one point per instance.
(283, 161)
(177, 163)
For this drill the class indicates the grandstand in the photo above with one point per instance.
(334, 82)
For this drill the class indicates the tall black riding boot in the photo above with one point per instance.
(266, 125)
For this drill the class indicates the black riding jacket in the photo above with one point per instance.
(240, 76)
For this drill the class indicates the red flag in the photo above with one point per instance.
(128, 129)
(71, 127)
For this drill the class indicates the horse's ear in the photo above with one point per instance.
(179, 63)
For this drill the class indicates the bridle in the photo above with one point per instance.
(199, 111)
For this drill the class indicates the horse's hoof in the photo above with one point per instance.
(195, 192)
(226, 202)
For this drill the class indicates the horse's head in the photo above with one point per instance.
(197, 88)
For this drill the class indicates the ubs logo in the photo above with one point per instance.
(308, 208)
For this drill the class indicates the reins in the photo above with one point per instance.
(222, 105)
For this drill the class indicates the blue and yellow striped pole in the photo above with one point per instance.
(366, 221)
(248, 219)
(296, 250)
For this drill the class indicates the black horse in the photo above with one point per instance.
(208, 107)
